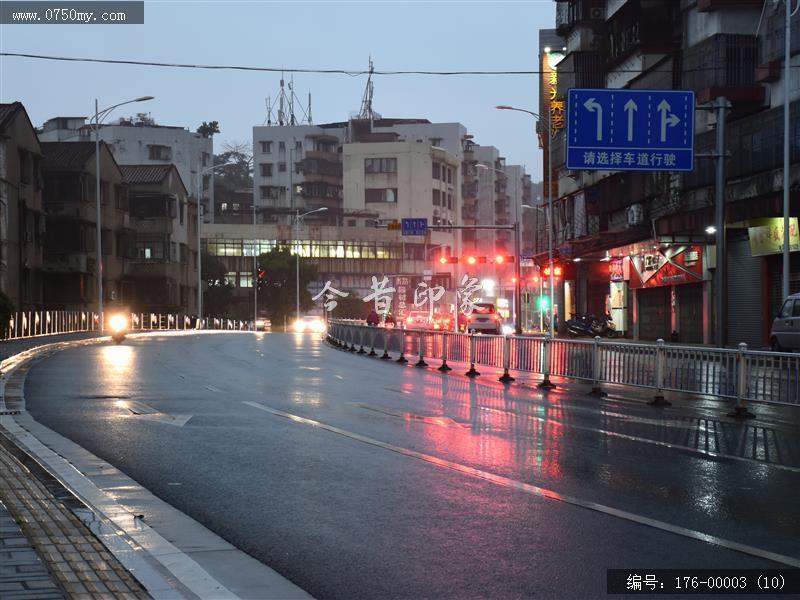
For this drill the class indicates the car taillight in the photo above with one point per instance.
(409, 320)
(497, 317)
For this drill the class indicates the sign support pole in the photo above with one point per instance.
(722, 107)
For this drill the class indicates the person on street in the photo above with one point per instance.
(372, 318)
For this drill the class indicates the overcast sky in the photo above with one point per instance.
(442, 36)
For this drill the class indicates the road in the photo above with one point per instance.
(360, 478)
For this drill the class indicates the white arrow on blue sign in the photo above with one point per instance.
(630, 130)
(414, 226)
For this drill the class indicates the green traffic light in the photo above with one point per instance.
(544, 302)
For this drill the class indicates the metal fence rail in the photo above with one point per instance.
(738, 374)
(28, 324)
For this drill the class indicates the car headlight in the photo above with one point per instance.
(118, 323)
(260, 323)
(318, 327)
(299, 326)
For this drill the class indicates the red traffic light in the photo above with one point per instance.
(557, 271)
(471, 260)
(448, 260)
(499, 259)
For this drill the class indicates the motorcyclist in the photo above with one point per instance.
(372, 318)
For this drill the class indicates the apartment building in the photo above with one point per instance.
(22, 222)
(161, 274)
(140, 141)
(619, 234)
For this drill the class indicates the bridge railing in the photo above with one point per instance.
(738, 374)
(28, 324)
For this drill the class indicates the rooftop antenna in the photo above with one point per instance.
(281, 100)
(308, 114)
(269, 111)
(292, 120)
(366, 102)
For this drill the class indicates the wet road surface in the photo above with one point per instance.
(359, 478)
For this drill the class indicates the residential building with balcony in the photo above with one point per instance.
(161, 274)
(629, 229)
(140, 141)
(69, 200)
(22, 222)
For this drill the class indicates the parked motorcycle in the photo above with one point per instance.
(591, 326)
(118, 325)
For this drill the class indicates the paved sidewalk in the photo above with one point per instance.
(78, 563)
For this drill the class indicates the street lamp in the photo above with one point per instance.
(200, 173)
(518, 248)
(297, 218)
(98, 115)
(548, 127)
(786, 94)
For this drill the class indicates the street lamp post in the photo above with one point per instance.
(297, 218)
(200, 173)
(786, 123)
(102, 114)
(548, 127)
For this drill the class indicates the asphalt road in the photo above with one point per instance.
(359, 478)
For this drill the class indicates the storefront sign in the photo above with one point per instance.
(673, 265)
(767, 237)
(616, 269)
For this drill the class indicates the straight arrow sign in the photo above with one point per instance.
(592, 106)
(630, 108)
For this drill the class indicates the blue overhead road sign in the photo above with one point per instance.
(414, 226)
(630, 130)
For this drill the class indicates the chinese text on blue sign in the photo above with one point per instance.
(414, 226)
(630, 130)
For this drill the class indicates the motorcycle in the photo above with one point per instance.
(118, 325)
(591, 326)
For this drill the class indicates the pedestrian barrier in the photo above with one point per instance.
(28, 324)
(738, 374)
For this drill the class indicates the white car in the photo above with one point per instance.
(785, 334)
(484, 319)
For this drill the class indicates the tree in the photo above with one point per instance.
(351, 307)
(277, 295)
(218, 293)
(208, 129)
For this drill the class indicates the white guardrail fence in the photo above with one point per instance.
(739, 374)
(30, 324)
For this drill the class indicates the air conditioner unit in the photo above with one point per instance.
(597, 14)
(635, 214)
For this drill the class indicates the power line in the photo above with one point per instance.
(351, 73)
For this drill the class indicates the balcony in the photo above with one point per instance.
(581, 70)
(724, 65)
(68, 262)
(712, 5)
(573, 13)
(322, 155)
(154, 269)
(153, 225)
(649, 30)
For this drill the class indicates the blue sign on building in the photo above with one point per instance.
(630, 130)
(414, 226)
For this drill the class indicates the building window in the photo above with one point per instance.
(245, 279)
(380, 165)
(351, 222)
(268, 192)
(230, 278)
(436, 197)
(436, 168)
(266, 169)
(450, 201)
(381, 195)
(298, 168)
(158, 152)
(150, 248)
(206, 158)
(281, 167)
(281, 146)
(183, 210)
(449, 175)
(298, 145)
(436, 142)
(266, 147)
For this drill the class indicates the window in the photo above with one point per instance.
(436, 170)
(380, 165)
(245, 279)
(450, 201)
(206, 182)
(230, 278)
(449, 175)
(158, 152)
(281, 167)
(381, 195)
(266, 147)
(24, 167)
(268, 192)
(281, 146)
(796, 312)
(266, 169)
(436, 142)
(351, 222)
(182, 210)
(184, 254)
(150, 248)
(205, 159)
(298, 145)
(298, 168)
(436, 196)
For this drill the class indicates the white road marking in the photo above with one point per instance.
(211, 388)
(539, 491)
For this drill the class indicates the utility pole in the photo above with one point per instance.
(722, 106)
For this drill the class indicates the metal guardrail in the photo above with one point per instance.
(28, 324)
(741, 374)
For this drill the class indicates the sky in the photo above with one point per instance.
(442, 36)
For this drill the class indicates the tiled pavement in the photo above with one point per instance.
(37, 522)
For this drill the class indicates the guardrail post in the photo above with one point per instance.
(740, 410)
(546, 384)
(372, 344)
(472, 372)
(402, 360)
(444, 367)
(421, 362)
(596, 369)
(661, 362)
(505, 377)
(361, 341)
(385, 355)
(352, 339)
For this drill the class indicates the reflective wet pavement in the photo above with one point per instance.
(408, 483)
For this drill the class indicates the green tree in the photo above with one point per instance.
(208, 129)
(217, 297)
(277, 294)
(351, 307)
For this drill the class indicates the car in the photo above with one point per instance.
(785, 334)
(418, 319)
(309, 324)
(263, 324)
(484, 319)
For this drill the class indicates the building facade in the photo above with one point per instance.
(22, 222)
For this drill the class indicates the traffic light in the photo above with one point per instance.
(557, 271)
(261, 278)
(448, 260)
(543, 303)
(500, 259)
(471, 260)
